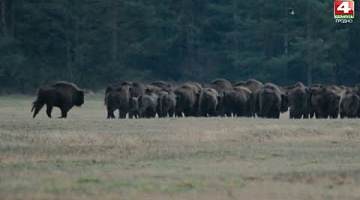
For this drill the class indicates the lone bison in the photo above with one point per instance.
(61, 94)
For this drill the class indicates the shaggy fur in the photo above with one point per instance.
(62, 94)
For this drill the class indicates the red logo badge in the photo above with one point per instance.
(344, 9)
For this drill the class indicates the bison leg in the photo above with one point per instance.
(110, 114)
(276, 115)
(298, 115)
(212, 113)
(178, 114)
(317, 115)
(122, 114)
(187, 113)
(37, 107)
(132, 115)
(334, 115)
(291, 114)
(228, 113)
(171, 112)
(49, 108)
(305, 115)
(136, 115)
(64, 111)
(153, 113)
(311, 114)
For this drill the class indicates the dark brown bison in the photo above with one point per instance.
(186, 100)
(298, 100)
(207, 102)
(196, 87)
(339, 90)
(136, 89)
(325, 102)
(151, 102)
(356, 89)
(284, 99)
(148, 104)
(133, 108)
(154, 90)
(232, 102)
(248, 94)
(349, 105)
(252, 84)
(195, 84)
(220, 85)
(273, 87)
(118, 99)
(166, 105)
(311, 90)
(114, 86)
(163, 85)
(61, 94)
(270, 101)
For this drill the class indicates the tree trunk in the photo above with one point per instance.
(3, 17)
(286, 44)
(186, 20)
(68, 46)
(309, 53)
(235, 18)
(114, 36)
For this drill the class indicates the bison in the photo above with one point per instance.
(117, 99)
(61, 94)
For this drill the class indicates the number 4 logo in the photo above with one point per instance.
(344, 7)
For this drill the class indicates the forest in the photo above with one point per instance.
(97, 42)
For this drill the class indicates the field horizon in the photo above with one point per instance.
(87, 156)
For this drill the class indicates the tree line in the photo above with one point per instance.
(96, 42)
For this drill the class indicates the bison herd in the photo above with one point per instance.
(249, 98)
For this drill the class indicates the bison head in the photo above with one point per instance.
(79, 99)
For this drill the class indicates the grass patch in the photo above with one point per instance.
(87, 156)
(324, 177)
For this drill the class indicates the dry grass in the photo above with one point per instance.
(89, 157)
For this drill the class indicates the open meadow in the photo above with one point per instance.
(87, 156)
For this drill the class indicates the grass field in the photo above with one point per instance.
(89, 157)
